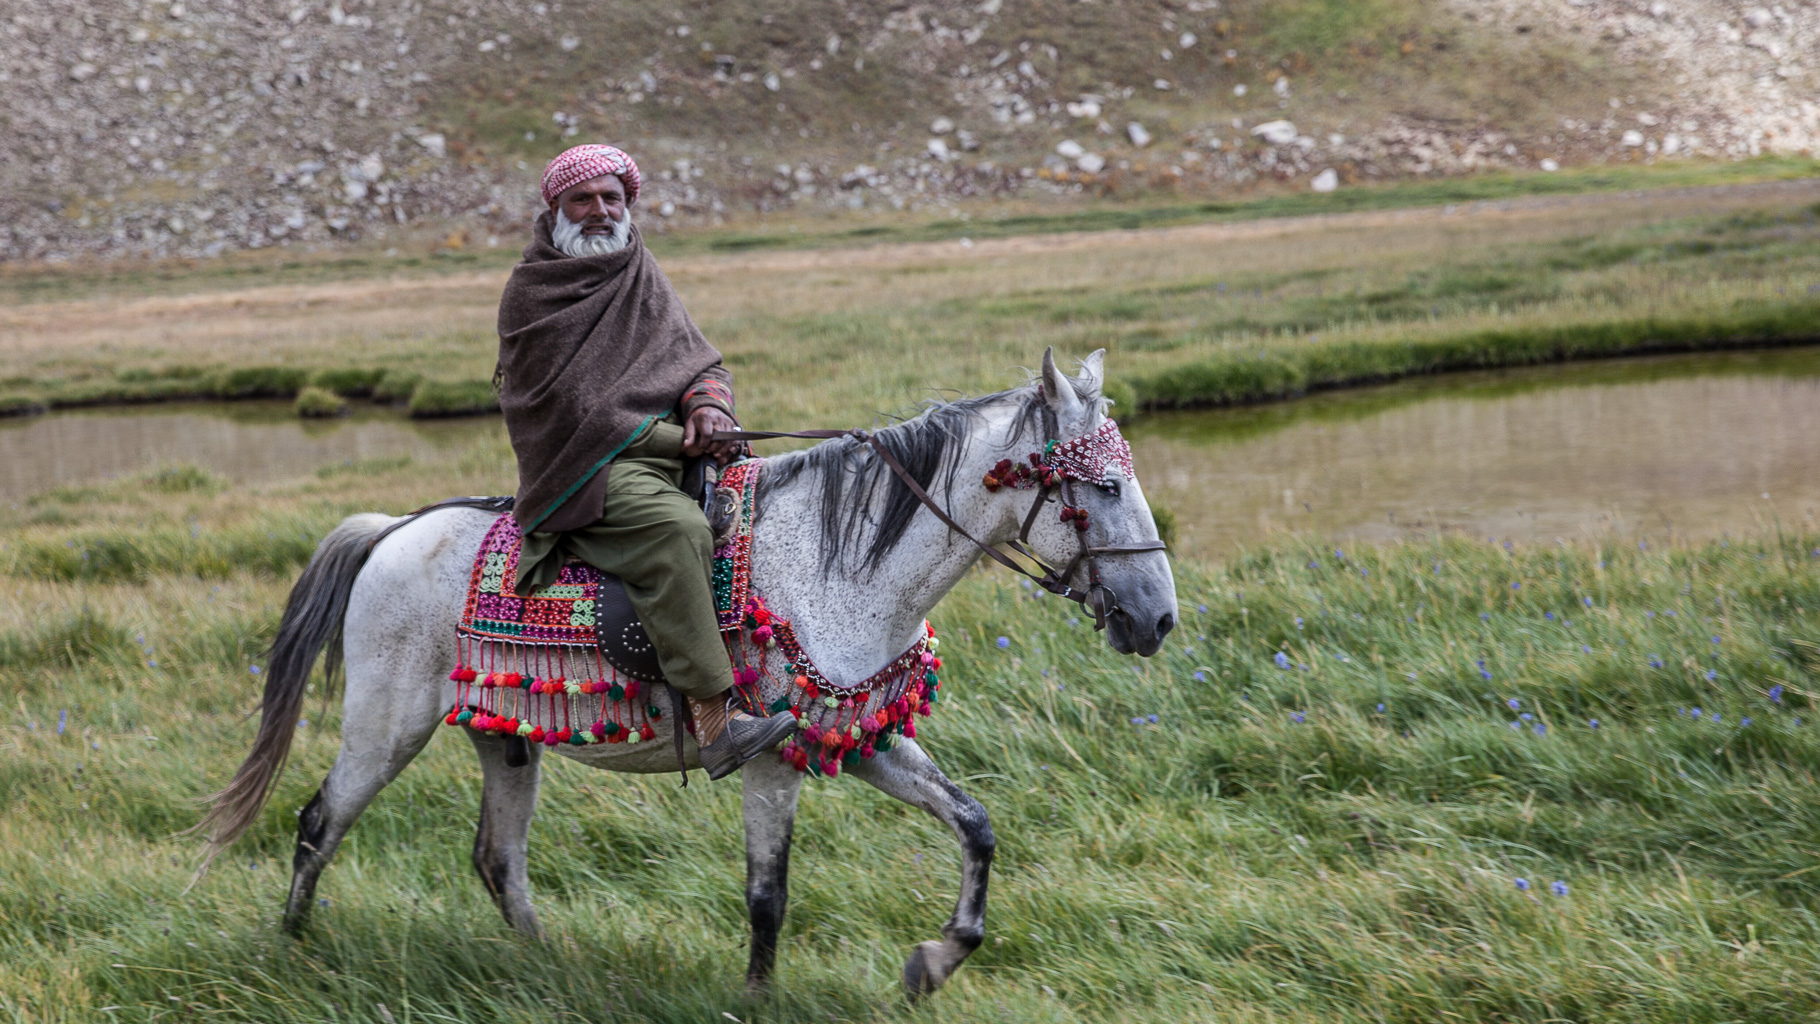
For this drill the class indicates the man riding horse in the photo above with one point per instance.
(606, 385)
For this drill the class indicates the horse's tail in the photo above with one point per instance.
(312, 620)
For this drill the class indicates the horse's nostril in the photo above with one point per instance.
(1164, 625)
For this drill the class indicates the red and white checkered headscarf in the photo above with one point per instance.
(584, 163)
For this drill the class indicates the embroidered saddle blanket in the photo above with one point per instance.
(572, 664)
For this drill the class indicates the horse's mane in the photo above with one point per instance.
(867, 509)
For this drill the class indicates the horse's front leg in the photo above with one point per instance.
(771, 788)
(906, 773)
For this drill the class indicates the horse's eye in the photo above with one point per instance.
(1110, 487)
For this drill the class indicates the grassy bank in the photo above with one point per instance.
(1278, 370)
(1199, 314)
(1326, 819)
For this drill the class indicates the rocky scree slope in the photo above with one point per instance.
(158, 128)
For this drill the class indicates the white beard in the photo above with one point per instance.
(569, 238)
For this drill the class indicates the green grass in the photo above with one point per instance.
(1228, 863)
(1282, 371)
(320, 403)
(456, 398)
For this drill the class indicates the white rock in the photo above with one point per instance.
(772, 82)
(1326, 181)
(1633, 138)
(1092, 163)
(1759, 17)
(1671, 144)
(1162, 85)
(83, 72)
(142, 84)
(1281, 88)
(1086, 108)
(1138, 134)
(1069, 149)
(666, 209)
(938, 149)
(569, 43)
(1658, 10)
(1187, 40)
(1648, 120)
(372, 167)
(941, 125)
(487, 46)
(1277, 133)
(967, 139)
(1336, 140)
(833, 46)
(1239, 89)
(1549, 164)
(435, 143)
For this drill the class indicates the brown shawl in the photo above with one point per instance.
(591, 351)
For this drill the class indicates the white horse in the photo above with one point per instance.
(840, 548)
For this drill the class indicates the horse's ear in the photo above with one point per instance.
(1093, 372)
(1058, 390)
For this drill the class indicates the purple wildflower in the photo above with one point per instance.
(1558, 887)
(1523, 884)
(1282, 660)
(1297, 717)
(1004, 642)
(1775, 693)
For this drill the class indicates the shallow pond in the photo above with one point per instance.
(245, 441)
(1690, 446)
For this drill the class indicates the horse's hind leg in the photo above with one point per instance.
(906, 773)
(508, 798)
(771, 788)
(375, 747)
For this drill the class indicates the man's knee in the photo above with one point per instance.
(687, 530)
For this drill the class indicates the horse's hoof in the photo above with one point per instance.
(921, 973)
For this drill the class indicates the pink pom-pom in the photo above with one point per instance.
(633, 689)
(928, 659)
(455, 676)
(831, 767)
(867, 751)
(599, 729)
(909, 729)
(761, 635)
(813, 734)
(550, 740)
(868, 724)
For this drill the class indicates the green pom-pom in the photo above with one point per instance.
(780, 705)
(850, 758)
(465, 717)
(930, 679)
(654, 711)
(883, 742)
(525, 683)
(617, 692)
(612, 728)
(815, 768)
(578, 739)
(934, 697)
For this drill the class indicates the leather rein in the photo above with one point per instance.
(1098, 597)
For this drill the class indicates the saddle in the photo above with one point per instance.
(572, 664)
(585, 606)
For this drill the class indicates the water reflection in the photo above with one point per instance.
(249, 441)
(1686, 445)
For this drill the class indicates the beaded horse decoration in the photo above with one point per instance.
(530, 665)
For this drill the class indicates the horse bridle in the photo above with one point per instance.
(1098, 597)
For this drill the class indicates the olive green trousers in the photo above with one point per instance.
(656, 540)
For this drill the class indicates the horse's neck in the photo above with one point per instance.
(851, 622)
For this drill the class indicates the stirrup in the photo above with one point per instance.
(743, 739)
